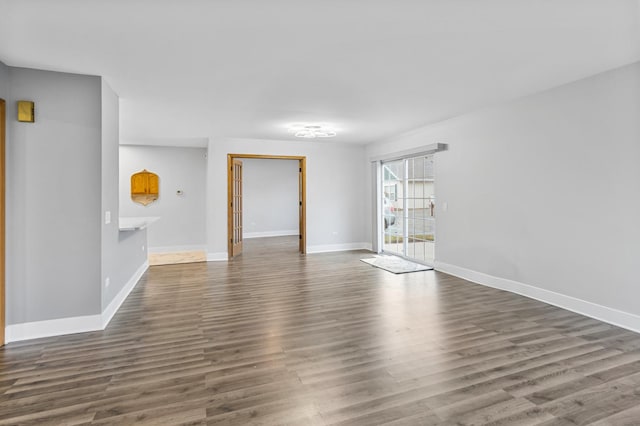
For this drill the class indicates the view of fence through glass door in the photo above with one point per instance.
(408, 208)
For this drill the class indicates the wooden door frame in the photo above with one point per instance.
(302, 189)
(3, 130)
(235, 203)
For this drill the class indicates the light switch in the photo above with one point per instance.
(107, 217)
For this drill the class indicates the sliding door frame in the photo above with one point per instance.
(377, 189)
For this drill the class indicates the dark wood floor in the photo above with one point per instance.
(279, 338)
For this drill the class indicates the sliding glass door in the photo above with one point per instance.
(393, 206)
(408, 201)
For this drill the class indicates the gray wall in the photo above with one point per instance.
(62, 175)
(53, 197)
(4, 81)
(131, 255)
(122, 252)
(182, 223)
(270, 197)
(545, 190)
(337, 213)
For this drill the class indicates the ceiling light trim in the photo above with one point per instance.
(312, 131)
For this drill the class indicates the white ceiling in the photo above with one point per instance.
(187, 70)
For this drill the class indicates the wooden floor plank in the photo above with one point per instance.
(278, 338)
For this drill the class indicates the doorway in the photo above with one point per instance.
(408, 208)
(235, 202)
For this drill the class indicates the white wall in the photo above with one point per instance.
(337, 214)
(543, 194)
(182, 224)
(270, 197)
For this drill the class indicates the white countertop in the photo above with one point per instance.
(135, 223)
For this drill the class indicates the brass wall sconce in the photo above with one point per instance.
(26, 111)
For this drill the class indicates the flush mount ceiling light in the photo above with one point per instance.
(311, 131)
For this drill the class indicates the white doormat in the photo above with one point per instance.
(396, 264)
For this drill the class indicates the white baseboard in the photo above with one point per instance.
(217, 257)
(338, 247)
(56, 327)
(593, 310)
(117, 301)
(72, 325)
(222, 256)
(176, 249)
(247, 235)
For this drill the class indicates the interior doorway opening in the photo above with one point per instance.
(242, 230)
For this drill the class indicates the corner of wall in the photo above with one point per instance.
(122, 295)
(73, 325)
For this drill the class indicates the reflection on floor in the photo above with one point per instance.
(288, 244)
(324, 339)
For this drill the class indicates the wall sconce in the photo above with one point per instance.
(26, 111)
